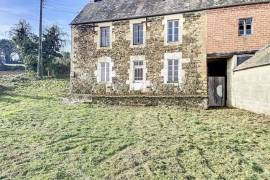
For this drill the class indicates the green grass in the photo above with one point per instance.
(42, 138)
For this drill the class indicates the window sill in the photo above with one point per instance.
(173, 84)
(105, 83)
(247, 35)
(105, 48)
(137, 46)
(173, 43)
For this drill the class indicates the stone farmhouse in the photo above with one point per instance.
(164, 51)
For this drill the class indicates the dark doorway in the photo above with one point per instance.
(217, 67)
(217, 82)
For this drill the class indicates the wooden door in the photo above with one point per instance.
(216, 91)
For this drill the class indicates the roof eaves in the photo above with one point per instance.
(163, 14)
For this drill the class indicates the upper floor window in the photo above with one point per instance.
(104, 36)
(173, 71)
(138, 34)
(245, 27)
(173, 31)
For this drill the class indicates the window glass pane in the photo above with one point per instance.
(138, 70)
(105, 36)
(170, 24)
(136, 74)
(107, 72)
(137, 34)
(242, 58)
(248, 29)
(241, 27)
(141, 34)
(170, 76)
(170, 31)
(135, 39)
(102, 73)
(170, 62)
(170, 71)
(176, 24)
(173, 70)
(170, 38)
(173, 31)
(249, 21)
(140, 74)
(176, 34)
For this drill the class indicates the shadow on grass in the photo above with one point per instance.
(220, 108)
(9, 100)
(25, 96)
(4, 89)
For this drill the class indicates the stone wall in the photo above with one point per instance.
(141, 100)
(85, 55)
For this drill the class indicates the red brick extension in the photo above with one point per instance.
(223, 28)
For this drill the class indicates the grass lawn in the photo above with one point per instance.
(42, 138)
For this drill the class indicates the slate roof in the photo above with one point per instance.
(261, 58)
(109, 10)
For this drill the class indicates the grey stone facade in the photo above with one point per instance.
(86, 54)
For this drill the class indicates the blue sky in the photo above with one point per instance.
(60, 12)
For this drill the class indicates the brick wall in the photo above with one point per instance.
(222, 25)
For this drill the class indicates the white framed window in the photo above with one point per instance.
(104, 70)
(173, 31)
(138, 37)
(173, 71)
(137, 74)
(105, 36)
(245, 27)
(138, 68)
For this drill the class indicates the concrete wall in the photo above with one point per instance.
(249, 89)
(222, 28)
(192, 49)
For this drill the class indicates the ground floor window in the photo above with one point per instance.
(104, 72)
(173, 71)
(138, 71)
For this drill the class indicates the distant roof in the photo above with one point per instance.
(110, 10)
(261, 58)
